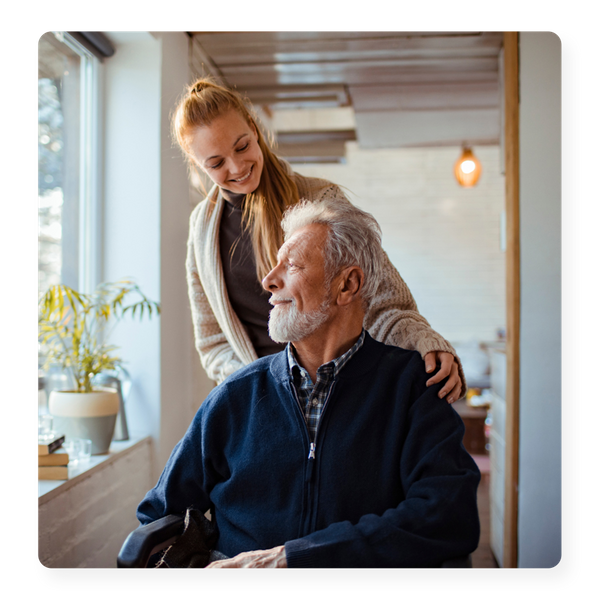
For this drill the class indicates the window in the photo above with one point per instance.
(67, 151)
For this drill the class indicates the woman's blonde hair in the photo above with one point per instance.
(202, 102)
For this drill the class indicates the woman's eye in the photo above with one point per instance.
(242, 148)
(216, 166)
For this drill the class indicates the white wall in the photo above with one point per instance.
(184, 384)
(146, 212)
(131, 216)
(540, 398)
(443, 239)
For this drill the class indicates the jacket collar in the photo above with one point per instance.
(366, 358)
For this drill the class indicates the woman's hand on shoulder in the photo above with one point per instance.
(452, 390)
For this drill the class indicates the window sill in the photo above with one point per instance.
(48, 489)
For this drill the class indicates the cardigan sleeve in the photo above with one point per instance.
(393, 317)
(216, 354)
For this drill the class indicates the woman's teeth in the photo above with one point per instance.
(244, 177)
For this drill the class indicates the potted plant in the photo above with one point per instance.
(73, 333)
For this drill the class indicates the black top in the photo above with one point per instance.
(247, 296)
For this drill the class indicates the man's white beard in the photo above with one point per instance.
(288, 324)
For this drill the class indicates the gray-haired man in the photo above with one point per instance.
(334, 452)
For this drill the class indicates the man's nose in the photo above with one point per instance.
(270, 282)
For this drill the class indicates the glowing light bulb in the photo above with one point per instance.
(467, 166)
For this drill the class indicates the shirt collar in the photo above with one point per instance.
(337, 363)
(235, 200)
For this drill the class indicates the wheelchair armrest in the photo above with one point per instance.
(146, 540)
(149, 539)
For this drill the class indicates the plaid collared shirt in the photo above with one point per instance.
(311, 396)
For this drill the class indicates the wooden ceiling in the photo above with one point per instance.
(404, 88)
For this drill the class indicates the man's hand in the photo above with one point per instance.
(274, 558)
(448, 368)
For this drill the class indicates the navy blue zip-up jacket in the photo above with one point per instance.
(390, 484)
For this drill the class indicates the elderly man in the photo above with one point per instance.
(334, 452)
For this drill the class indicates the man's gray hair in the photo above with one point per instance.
(354, 238)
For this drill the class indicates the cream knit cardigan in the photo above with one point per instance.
(221, 339)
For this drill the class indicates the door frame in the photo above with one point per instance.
(513, 297)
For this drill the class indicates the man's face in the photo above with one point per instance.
(297, 283)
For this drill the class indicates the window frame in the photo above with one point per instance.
(89, 148)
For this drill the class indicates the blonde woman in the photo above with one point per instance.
(235, 234)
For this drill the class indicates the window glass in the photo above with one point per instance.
(59, 143)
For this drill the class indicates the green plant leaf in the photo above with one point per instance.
(71, 326)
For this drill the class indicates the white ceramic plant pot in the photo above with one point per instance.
(89, 415)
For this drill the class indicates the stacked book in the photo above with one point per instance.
(53, 461)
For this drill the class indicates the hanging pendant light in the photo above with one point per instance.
(467, 168)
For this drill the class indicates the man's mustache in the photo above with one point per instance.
(279, 299)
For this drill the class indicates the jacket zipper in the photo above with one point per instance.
(312, 455)
(312, 458)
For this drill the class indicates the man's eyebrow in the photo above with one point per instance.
(282, 252)
(285, 251)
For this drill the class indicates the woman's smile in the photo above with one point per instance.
(242, 179)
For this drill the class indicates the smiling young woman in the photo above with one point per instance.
(207, 119)
(235, 235)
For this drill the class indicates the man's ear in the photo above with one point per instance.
(351, 281)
